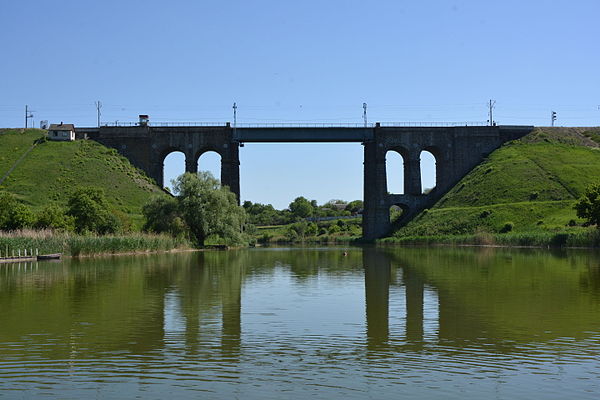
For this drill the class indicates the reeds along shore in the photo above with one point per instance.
(48, 242)
(586, 239)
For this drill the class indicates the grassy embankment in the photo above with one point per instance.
(522, 194)
(49, 173)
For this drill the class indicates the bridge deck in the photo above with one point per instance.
(303, 134)
(287, 134)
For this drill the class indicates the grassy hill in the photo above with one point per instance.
(50, 171)
(530, 184)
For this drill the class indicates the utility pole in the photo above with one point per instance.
(552, 118)
(235, 123)
(234, 115)
(492, 104)
(365, 113)
(98, 107)
(28, 114)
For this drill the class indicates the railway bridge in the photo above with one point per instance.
(457, 149)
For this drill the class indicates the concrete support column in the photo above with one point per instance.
(230, 169)
(412, 174)
(376, 214)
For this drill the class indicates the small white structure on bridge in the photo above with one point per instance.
(63, 132)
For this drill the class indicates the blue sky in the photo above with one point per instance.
(308, 61)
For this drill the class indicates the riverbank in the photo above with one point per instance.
(589, 238)
(48, 242)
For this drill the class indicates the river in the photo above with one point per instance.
(297, 323)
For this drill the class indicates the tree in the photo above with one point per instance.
(588, 207)
(54, 217)
(355, 206)
(13, 214)
(301, 207)
(162, 215)
(91, 211)
(203, 206)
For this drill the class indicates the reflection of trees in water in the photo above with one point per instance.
(590, 279)
(88, 307)
(505, 295)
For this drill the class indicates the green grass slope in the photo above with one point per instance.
(532, 183)
(52, 170)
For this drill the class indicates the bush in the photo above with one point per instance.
(485, 214)
(13, 214)
(534, 196)
(90, 210)
(588, 206)
(55, 218)
(507, 227)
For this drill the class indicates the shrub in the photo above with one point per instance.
(55, 218)
(507, 227)
(534, 196)
(588, 207)
(485, 214)
(13, 214)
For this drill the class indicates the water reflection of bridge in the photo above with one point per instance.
(196, 300)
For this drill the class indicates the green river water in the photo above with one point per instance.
(297, 323)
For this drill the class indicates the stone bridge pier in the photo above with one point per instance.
(147, 147)
(457, 150)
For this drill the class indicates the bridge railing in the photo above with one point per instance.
(432, 124)
(167, 124)
(302, 124)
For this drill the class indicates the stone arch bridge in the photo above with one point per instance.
(457, 149)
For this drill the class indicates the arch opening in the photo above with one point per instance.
(394, 165)
(428, 171)
(173, 166)
(397, 211)
(210, 161)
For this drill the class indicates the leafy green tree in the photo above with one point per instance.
(54, 217)
(355, 206)
(209, 208)
(203, 207)
(162, 215)
(14, 214)
(91, 212)
(301, 207)
(588, 207)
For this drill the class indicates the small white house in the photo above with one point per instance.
(65, 132)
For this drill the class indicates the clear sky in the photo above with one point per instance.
(301, 61)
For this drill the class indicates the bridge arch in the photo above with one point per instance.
(395, 170)
(428, 171)
(173, 165)
(210, 160)
(432, 167)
